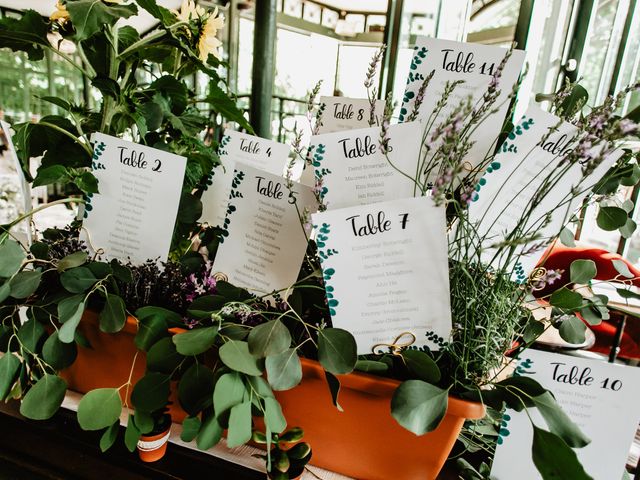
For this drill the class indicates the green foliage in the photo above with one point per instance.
(235, 355)
(239, 431)
(26, 34)
(113, 315)
(284, 370)
(271, 338)
(337, 351)
(57, 354)
(151, 393)
(422, 366)
(196, 341)
(196, 387)
(554, 459)
(9, 370)
(43, 400)
(419, 406)
(582, 271)
(90, 16)
(109, 437)
(11, 257)
(99, 408)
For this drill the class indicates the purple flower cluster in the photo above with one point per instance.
(202, 283)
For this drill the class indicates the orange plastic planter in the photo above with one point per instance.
(364, 441)
(107, 364)
(152, 448)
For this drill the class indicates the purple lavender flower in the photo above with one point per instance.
(627, 126)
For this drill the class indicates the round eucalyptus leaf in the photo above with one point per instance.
(162, 357)
(195, 390)
(235, 355)
(371, 366)
(11, 257)
(25, 283)
(229, 391)
(57, 354)
(113, 315)
(67, 332)
(270, 338)
(273, 416)
(151, 392)
(419, 406)
(573, 330)
(9, 370)
(132, 434)
(30, 334)
(582, 271)
(44, 398)
(99, 409)
(421, 365)
(5, 291)
(337, 350)
(190, 429)
(73, 260)
(284, 370)
(210, 433)
(565, 298)
(239, 431)
(109, 437)
(611, 218)
(554, 458)
(196, 341)
(78, 280)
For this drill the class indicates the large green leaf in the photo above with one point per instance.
(190, 428)
(78, 280)
(113, 315)
(229, 391)
(131, 434)
(5, 290)
(99, 409)
(25, 34)
(73, 260)
(337, 350)
(210, 433)
(273, 417)
(163, 14)
(25, 283)
(11, 257)
(195, 342)
(419, 406)
(67, 307)
(334, 389)
(421, 365)
(162, 357)
(89, 16)
(222, 104)
(235, 355)
(565, 298)
(558, 421)
(58, 354)
(9, 370)
(582, 271)
(67, 332)
(611, 218)
(150, 331)
(284, 370)
(172, 319)
(573, 330)
(151, 393)
(109, 437)
(239, 431)
(554, 459)
(30, 334)
(44, 398)
(270, 338)
(195, 390)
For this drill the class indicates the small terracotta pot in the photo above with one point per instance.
(152, 448)
(364, 441)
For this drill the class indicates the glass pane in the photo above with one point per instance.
(312, 12)
(629, 72)
(352, 68)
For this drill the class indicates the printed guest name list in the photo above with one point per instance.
(133, 216)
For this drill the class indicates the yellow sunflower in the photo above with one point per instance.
(209, 43)
(61, 15)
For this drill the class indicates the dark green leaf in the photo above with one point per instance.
(572, 330)
(533, 330)
(582, 271)
(44, 398)
(517, 391)
(150, 331)
(89, 16)
(574, 102)
(162, 357)
(626, 293)
(270, 338)
(113, 315)
(99, 408)
(273, 416)
(73, 260)
(25, 34)
(57, 354)
(195, 390)
(190, 429)
(151, 393)
(371, 366)
(229, 391)
(109, 437)
(419, 406)
(9, 370)
(172, 319)
(284, 370)
(195, 342)
(611, 218)
(235, 355)
(5, 290)
(558, 421)
(565, 298)
(221, 103)
(144, 421)
(30, 334)
(210, 433)
(50, 175)
(107, 86)
(78, 280)
(554, 459)
(11, 257)
(337, 350)
(67, 307)
(131, 434)
(25, 283)
(239, 431)
(334, 389)
(421, 365)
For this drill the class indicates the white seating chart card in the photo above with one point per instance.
(531, 155)
(266, 155)
(601, 398)
(133, 216)
(355, 172)
(386, 270)
(472, 63)
(264, 238)
(342, 113)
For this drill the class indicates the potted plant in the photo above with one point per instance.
(245, 366)
(152, 444)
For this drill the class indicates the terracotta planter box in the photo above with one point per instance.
(107, 364)
(364, 441)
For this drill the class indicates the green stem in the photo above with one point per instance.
(38, 209)
(68, 134)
